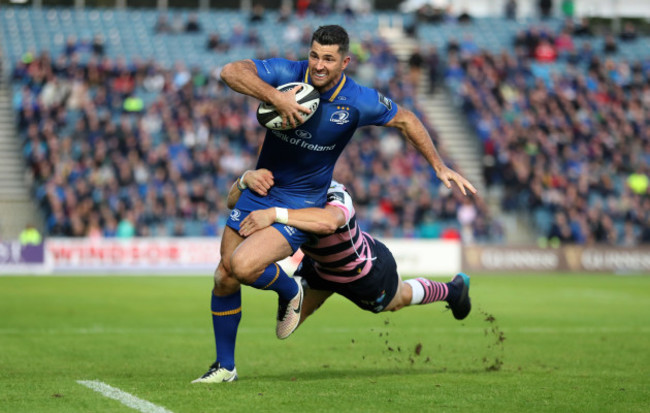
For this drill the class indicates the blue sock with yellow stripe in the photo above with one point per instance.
(226, 314)
(274, 278)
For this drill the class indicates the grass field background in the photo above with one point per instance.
(554, 343)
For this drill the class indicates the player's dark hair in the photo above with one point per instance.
(332, 35)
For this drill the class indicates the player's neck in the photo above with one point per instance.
(332, 88)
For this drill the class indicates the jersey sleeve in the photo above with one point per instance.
(339, 197)
(278, 71)
(375, 108)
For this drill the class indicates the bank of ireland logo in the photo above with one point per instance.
(235, 214)
(341, 115)
(303, 134)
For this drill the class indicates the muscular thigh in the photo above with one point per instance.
(230, 240)
(224, 282)
(258, 251)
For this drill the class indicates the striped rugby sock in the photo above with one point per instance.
(427, 291)
(274, 278)
(226, 314)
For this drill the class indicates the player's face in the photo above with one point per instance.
(326, 65)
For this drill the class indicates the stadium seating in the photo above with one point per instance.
(172, 161)
(129, 36)
(546, 152)
(130, 33)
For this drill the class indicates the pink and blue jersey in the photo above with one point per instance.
(348, 253)
(302, 159)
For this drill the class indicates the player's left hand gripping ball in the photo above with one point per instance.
(307, 96)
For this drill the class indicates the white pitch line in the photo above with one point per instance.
(123, 397)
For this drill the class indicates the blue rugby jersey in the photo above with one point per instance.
(302, 159)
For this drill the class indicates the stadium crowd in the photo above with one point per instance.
(565, 131)
(121, 149)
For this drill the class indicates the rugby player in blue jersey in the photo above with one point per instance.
(301, 162)
(345, 260)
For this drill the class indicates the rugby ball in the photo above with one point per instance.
(307, 96)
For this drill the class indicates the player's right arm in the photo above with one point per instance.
(414, 131)
(242, 76)
(377, 109)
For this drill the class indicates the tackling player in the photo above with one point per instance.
(301, 161)
(345, 260)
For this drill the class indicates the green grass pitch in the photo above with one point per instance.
(533, 342)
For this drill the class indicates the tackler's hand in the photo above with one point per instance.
(259, 180)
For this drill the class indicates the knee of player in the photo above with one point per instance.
(221, 274)
(402, 298)
(244, 269)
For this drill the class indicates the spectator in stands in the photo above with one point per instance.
(291, 34)
(126, 226)
(54, 92)
(432, 63)
(415, 64)
(124, 83)
(466, 215)
(561, 230)
(510, 9)
(452, 46)
(237, 37)
(628, 33)
(257, 13)
(72, 45)
(545, 52)
(638, 181)
(610, 46)
(211, 227)
(253, 38)
(583, 28)
(284, 15)
(98, 45)
(564, 43)
(94, 230)
(464, 17)
(215, 43)
(586, 53)
(630, 237)
(178, 25)
(468, 45)
(454, 72)
(302, 6)
(568, 8)
(533, 37)
(320, 7)
(645, 233)
(450, 234)
(545, 8)
(520, 41)
(30, 235)
(192, 25)
(162, 25)
(349, 12)
(305, 35)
